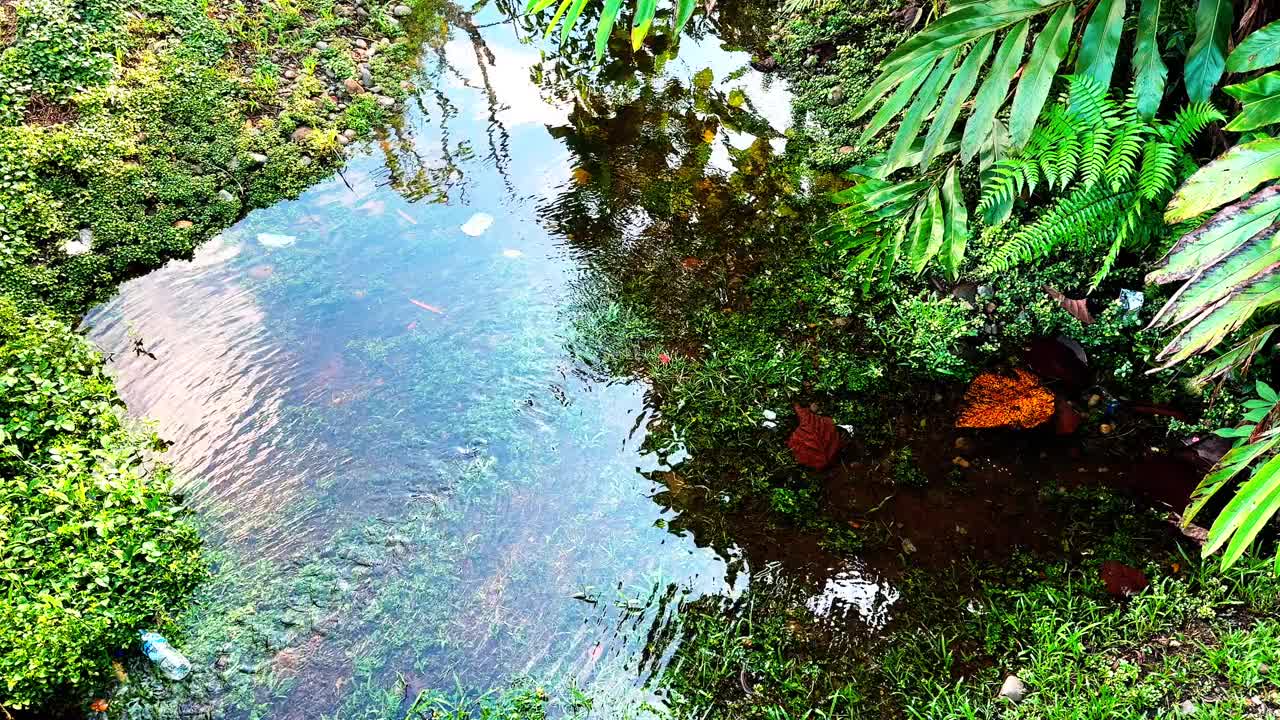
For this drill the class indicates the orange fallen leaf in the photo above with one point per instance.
(995, 400)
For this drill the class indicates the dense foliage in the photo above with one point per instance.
(92, 545)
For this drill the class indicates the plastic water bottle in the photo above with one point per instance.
(172, 663)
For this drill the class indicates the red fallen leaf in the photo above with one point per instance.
(1122, 580)
(665, 359)
(691, 263)
(1079, 309)
(815, 443)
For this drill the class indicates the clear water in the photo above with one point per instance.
(412, 476)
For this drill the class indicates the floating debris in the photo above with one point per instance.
(424, 306)
(512, 253)
(275, 240)
(477, 224)
(407, 217)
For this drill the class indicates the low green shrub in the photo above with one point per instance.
(92, 545)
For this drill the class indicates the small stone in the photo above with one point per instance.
(258, 158)
(301, 134)
(81, 246)
(290, 74)
(836, 96)
(183, 224)
(386, 102)
(376, 89)
(344, 140)
(1186, 707)
(846, 149)
(349, 133)
(352, 87)
(986, 291)
(222, 662)
(366, 77)
(1094, 400)
(1013, 689)
(322, 46)
(225, 195)
(959, 462)
(1264, 669)
(1106, 428)
(402, 11)
(361, 12)
(304, 161)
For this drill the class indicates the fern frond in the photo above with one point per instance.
(1188, 123)
(1094, 149)
(1088, 101)
(1122, 160)
(1156, 178)
(1081, 215)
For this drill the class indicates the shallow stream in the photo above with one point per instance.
(386, 402)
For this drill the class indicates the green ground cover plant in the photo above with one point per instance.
(92, 544)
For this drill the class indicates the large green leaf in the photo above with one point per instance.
(1219, 236)
(1038, 74)
(929, 234)
(1260, 102)
(608, 16)
(572, 19)
(1261, 49)
(1208, 54)
(1255, 259)
(920, 108)
(993, 91)
(1244, 517)
(555, 19)
(898, 100)
(645, 10)
(684, 11)
(949, 109)
(964, 25)
(1239, 357)
(957, 225)
(1231, 464)
(1206, 330)
(1149, 70)
(1101, 42)
(1234, 173)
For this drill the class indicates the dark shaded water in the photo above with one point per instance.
(382, 401)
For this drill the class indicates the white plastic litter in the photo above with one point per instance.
(477, 224)
(272, 240)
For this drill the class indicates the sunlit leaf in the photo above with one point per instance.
(1150, 72)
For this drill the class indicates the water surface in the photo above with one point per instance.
(386, 408)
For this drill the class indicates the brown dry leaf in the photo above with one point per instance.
(1079, 309)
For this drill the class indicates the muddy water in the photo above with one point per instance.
(383, 403)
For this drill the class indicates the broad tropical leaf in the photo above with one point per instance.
(1037, 75)
(1231, 465)
(1261, 49)
(1239, 357)
(1260, 101)
(993, 91)
(1234, 173)
(949, 111)
(645, 10)
(1247, 513)
(1101, 42)
(608, 16)
(957, 226)
(1150, 71)
(1207, 57)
